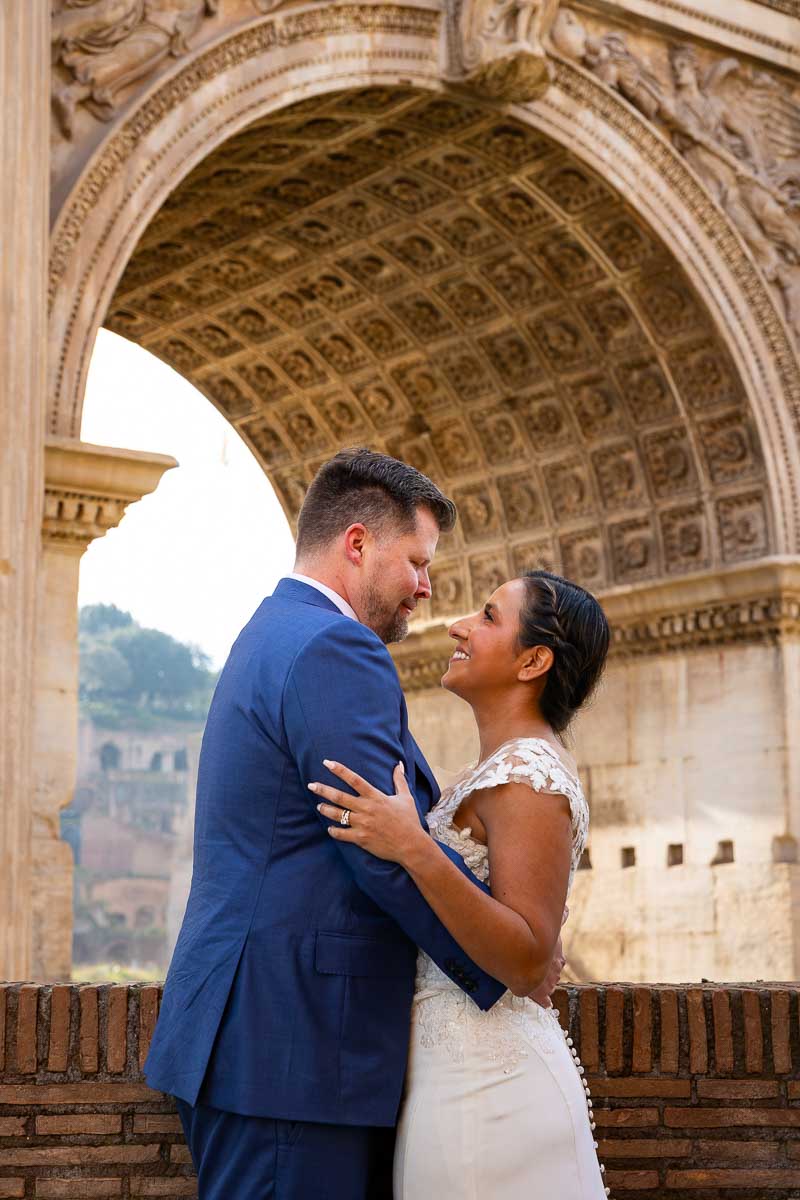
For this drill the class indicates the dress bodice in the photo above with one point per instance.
(522, 760)
(445, 1014)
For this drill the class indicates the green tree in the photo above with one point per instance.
(102, 618)
(104, 670)
(162, 668)
(128, 673)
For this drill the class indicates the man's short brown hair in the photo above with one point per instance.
(359, 485)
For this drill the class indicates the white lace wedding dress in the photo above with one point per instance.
(496, 1105)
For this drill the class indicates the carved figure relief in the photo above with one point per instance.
(499, 46)
(737, 127)
(103, 46)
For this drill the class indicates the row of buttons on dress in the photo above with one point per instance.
(589, 1105)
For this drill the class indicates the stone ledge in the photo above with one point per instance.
(88, 488)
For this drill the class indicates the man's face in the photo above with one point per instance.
(395, 576)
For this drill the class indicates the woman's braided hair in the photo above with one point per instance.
(565, 617)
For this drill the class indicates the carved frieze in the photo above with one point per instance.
(101, 47)
(737, 126)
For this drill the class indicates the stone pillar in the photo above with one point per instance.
(24, 192)
(87, 489)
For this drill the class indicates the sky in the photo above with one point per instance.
(196, 557)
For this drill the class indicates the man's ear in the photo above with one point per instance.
(535, 663)
(354, 538)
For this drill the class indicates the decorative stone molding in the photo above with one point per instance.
(744, 605)
(88, 488)
(749, 604)
(719, 24)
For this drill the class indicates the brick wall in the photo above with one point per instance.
(696, 1092)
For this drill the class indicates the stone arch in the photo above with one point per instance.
(665, 395)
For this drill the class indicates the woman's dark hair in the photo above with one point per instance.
(362, 485)
(560, 614)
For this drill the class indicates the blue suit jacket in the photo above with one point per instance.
(290, 988)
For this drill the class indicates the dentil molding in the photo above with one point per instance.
(88, 488)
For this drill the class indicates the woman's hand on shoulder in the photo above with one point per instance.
(386, 826)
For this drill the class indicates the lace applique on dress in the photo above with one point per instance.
(446, 1016)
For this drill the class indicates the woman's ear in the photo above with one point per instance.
(535, 663)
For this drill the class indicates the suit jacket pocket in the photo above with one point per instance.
(349, 954)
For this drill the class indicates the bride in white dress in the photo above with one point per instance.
(496, 1103)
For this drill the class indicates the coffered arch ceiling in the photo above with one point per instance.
(423, 275)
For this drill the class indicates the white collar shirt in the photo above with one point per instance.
(333, 596)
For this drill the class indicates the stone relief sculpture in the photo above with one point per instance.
(737, 127)
(499, 46)
(104, 45)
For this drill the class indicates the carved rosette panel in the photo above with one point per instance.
(424, 275)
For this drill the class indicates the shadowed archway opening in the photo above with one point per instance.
(427, 276)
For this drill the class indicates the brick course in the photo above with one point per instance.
(696, 1092)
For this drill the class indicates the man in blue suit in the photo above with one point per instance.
(284, 1025)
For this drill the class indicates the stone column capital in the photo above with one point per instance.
(88, 488)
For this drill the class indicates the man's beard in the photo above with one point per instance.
(390, 624)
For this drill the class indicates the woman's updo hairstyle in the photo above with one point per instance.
(565, 617)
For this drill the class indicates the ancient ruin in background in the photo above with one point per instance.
(549, 253)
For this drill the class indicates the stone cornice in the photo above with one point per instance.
(758, 603)
(741, 26)
(88, 488)
(755, 603)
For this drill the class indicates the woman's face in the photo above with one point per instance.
(486, 657)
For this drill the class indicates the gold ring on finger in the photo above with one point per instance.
(344, 819)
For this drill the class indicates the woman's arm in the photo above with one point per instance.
(512, 933)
